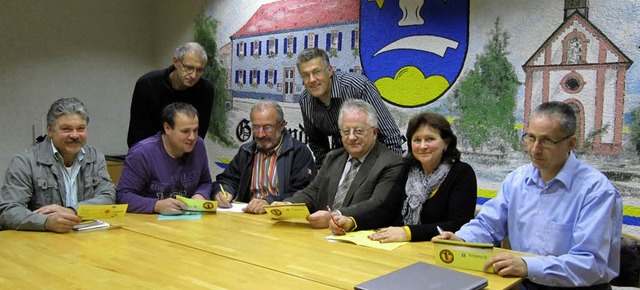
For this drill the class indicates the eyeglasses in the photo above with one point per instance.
(266, 128)
(359, 132)
(316, 73)
(190, 69)
(528, 140)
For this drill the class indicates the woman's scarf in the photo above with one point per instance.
(419, 188)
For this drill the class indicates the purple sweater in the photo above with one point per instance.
(149, 174)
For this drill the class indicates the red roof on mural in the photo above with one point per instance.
(291, 14)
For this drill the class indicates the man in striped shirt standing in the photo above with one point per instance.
(326, 91)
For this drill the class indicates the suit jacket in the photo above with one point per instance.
(368, 190)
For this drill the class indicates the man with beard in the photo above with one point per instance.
(170, 163)
(354, 179)
(180, 82)
(45, 184)
(269, 168)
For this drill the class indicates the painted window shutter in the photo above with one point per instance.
(353, 39)
(295, 42)
(306, 41)
(339, 41)
(328, 41)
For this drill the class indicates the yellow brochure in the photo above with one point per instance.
(295, 211)
(361, 238)
(460, 254)
(94, 212)
(198, 204)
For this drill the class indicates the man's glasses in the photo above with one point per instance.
(316, 73)
(190, 69)
(266, 128)
(528, 140)
(359, 132)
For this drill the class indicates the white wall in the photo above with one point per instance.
(93, 50)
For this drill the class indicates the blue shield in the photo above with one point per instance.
(413, 50)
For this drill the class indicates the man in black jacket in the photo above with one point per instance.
(270, 168)
(180, 82)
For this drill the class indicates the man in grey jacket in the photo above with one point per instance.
(45, 184)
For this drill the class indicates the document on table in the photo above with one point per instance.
(235, 207)
(295, 211)
(94, 212)
(198, 204)
(98, 224)
(361, 238)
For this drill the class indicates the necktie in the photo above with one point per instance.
(346, 183)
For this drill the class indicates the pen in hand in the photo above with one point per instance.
(440, 231)
(340, 230)
(224, 193)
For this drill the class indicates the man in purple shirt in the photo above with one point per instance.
(172, 162)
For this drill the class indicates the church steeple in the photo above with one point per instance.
(571, 6)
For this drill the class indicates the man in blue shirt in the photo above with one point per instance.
(557, 207)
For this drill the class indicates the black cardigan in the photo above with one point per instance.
(452, 206)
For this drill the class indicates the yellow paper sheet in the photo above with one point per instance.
(198, 204)
(361, 238)
(295, 211)
(94, 212)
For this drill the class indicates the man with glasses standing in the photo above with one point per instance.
(557, 207)
(270, 168)
(356, 178)
(180, 82)
(325, 92)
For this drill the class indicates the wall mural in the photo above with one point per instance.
(418, 54)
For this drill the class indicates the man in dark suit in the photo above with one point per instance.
(356, 178)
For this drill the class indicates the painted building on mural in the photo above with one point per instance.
(264, 50)
(580, 66)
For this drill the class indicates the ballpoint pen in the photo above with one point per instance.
(440, 231)
(224, 193)
(341, 231)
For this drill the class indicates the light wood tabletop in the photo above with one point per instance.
(122, 259)
(287, 247)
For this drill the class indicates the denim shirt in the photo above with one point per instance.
(33, 180)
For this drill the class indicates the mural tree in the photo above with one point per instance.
(204, 34)
(485, 99)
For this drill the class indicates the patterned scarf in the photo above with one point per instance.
(419, 188)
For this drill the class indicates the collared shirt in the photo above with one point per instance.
(264, 179)
(347, 166)
(574, 223)
(321, 121)
(70, 175)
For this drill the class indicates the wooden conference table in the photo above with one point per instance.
(220, 251)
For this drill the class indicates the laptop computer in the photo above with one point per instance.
(425, 276)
